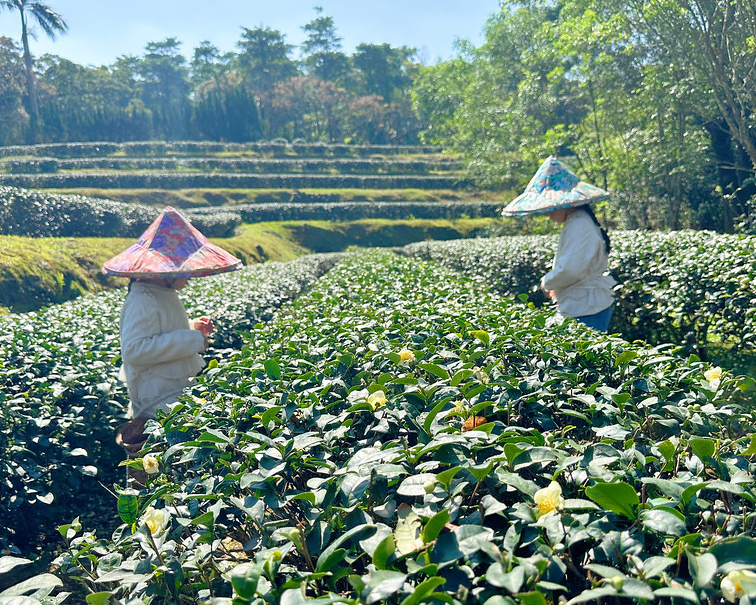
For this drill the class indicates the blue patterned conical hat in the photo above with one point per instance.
(553, 186)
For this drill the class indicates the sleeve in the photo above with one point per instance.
(143, 345)
(577, 248)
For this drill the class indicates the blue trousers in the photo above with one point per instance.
(598, 321)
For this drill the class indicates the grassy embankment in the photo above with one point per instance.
(39, 271)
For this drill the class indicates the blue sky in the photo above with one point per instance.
(99, 31)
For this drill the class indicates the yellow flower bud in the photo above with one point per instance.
(548, 499)
(406, 356)
(377, 399)
(732, 583)
(156, 520)
(150, 465)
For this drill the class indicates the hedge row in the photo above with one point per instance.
(245, 165)
(685, 287)
(36, 214)
(178, 180)
(350, 211)
(276, 148)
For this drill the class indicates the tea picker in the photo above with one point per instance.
(160, 346)
(578, 282)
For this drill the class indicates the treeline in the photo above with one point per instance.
(260, 92)
(653, 99)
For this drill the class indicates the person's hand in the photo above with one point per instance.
(204, 324)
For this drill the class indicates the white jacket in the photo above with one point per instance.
(160, 352)
(578, 275)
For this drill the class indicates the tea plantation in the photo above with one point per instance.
(380, 428)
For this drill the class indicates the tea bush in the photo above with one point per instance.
(399, 434)
(160, 148)
(193, 180)
(39, 214)
(236, 164)
(61, 401)
(350, 211)
(684, 287)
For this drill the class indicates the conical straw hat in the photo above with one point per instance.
(553, 186)
(171, 247)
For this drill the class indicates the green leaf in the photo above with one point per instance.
(383, 552)
(619, 497)
(422, 590)
(434, 525)
(213, 436)
(751, 449)
(702, 447)
(460, 376)
(8, 563)
(532, 598)
(270, 414)
(482, 336)
(511, 581)
(128, 508)
(434, 369)
(664, 521)
(691, 491)
(593, 594)
(428, 422)
(355, 533)
(702, 568)
(740, 551)
(383, 583)
(98, 598)
(480, 471)
(245, 577)
(625, 358)
(272, 369)
(43, 582)
(414, 485)
(677, 593)
(445, 477)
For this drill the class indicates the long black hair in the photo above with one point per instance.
(604, 234)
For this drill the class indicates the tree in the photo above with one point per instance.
(264, 59)
(13, 118)
(208, 64)
(323, 58)
(52, 24)
(309, 108)
(165, 90)
(384, 69)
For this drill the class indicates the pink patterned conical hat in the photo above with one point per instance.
(171, 247)
(553, 186)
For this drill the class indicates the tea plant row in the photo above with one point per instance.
(186, 180)
(684, 287)
(400, 434)
(40, 214)
(275, 148)
(61, 401)
(234, 164)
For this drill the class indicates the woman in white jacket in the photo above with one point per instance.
(160, 347)
(578, 281)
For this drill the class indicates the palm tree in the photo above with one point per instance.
(52, 24)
